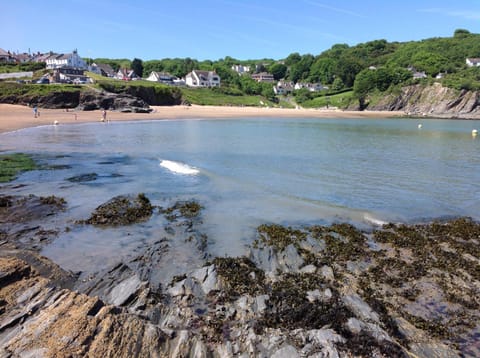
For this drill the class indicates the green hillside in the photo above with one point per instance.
(352, 73)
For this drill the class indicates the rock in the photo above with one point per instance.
(124, 291)
(308, 269)
(286, 351)
(327, 273)
(290, 259)
(361, 309)
(122, 210)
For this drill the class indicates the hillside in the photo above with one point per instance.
(373, 75)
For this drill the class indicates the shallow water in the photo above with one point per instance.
(249, 171)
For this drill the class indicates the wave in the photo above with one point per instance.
(372, 220)
(179, 168)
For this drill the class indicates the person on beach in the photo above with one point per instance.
(35, 111)
(104, 115)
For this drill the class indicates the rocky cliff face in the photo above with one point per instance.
(434, 101)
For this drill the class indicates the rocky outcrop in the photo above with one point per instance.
(82, 100)
(316, 291)
(434, 100)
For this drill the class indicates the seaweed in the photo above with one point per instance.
(11, 165)
(239, 276)
(122, 210)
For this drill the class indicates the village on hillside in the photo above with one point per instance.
(71, 68)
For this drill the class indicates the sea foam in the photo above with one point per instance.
(179, 168)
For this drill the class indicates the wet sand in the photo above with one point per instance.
(14, 117)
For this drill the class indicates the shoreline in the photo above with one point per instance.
(16, 117)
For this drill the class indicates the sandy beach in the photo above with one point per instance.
(14, 117)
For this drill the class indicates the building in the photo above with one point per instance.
(473, 62)
(65, 60)
(6, 56)
(69, 75)
(241, 69)
(198, 78)
(263, 77)
(126, 75)
(161, 77)
(283, 88)
(312, 87)
(102, 69)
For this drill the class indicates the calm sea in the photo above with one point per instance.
(250, 171)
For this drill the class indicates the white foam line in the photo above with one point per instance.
(179, 168)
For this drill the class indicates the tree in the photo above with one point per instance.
(292, 59)
(278, 70)
(323, 70)
(137, 67)
(337, 84)
(461, 33)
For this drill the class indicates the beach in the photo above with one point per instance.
(14, 117)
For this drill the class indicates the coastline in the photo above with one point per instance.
(15, 117)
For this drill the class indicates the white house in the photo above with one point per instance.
(66, 60)
(312, 87)
(202, 79)
(126, 75)
(473, 62)
(161, 77)
(241, 69)
(283, 88)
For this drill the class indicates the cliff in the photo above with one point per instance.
(433, 101)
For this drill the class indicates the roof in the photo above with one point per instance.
(3, 52)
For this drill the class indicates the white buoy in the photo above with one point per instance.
(474, 132)
(419, 126)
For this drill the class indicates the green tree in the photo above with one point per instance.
(292, 59)
(137, 67)
(337, 84)
(278, 70)
(323, 70)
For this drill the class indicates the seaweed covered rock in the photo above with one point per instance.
(122, 210)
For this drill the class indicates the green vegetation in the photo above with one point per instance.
(325, 100)
(206, 96)
(352, 73)
(11, 165)
(19, 90)
(21, 67)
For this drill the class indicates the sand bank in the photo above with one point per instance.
(13, 117)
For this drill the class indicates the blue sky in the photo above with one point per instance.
(213, 29)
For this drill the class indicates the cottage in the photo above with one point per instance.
(202, 79)
(283, 88)
(6, 56)
(473, 62)
(126, 75)
(161, 77)
(102, 69)
(263, 77)
(312, 87)
(66, 60)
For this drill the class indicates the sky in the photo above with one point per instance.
(214, 29)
